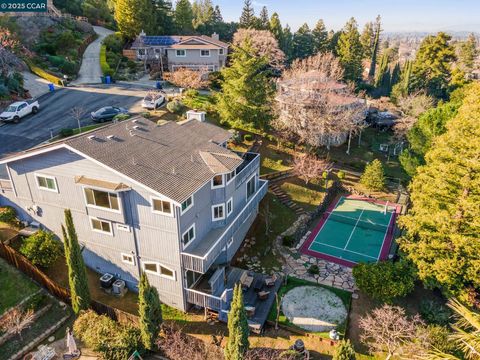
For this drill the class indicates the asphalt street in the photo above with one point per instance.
(55, 114)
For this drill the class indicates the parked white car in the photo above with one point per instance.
(153, 100)
(14, 112)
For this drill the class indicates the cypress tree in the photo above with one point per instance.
(383, 79)
(248, 19)
(149, 311)
(320, 37)
(373, 177)
(77, 276)
(396, 73)
(238, 331)
(350, 51)
(367, 39)
(376, 43)
(184, 17)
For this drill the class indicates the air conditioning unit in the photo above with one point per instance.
(107, 280)
(118, 287)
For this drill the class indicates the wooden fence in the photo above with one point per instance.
(24, 265)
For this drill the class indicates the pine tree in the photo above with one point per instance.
(344, 351)
(203, 16)
(367, 39)
(184, 17)
(287, 44)
(303, 42)
(163, 17)
(217, 15)
(350, 51)
(376, 44)
(443, 224)
(263, 19)
(432, 68)
(77, 276)
(275, 27)
(467, 53)
(247, 92)
(149, 311)
(373, 177)
(133, 16)
(238, 331)
(320, 37)
(248, 19)
(333, 38)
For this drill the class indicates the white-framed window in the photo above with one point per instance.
(160, 206)
(217, 181)
(45, 182)
(158, 269)
(229, 206)
(180, 53)
(204, 53)
(230, 176)
(251, 187)
(218, 212)
(123, 227)
(221, 51)
(128, 258)
(101, 226)
(189, 235)
(102, 199)
(187, 204)
(230, 242)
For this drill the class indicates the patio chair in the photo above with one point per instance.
(263, 295)
(270, 280)
(246, 280)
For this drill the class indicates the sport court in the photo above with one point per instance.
(354, 230)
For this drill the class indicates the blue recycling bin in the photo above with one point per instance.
(51, 87)
(108, 79)
(159, 85)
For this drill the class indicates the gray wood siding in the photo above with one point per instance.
(155, 235)
(193, 57)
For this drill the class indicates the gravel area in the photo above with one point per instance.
(313, 308)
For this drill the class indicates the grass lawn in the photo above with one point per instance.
(14, 286)
(273, 159)
(281, 217)
(306, 196)
(366, 152)
(292, 282)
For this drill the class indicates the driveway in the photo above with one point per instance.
(90, 71)
(54, 114)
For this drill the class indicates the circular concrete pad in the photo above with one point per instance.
(313, 308)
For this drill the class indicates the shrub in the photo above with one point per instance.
(215, 79)
(41, 248)
(131, 65)
(56, 60)
(4, 91)
(114, 42)
(36, 302)
(146, 115)
(121, 117)
(66, 132)
(344, 351)
(438, 337)
(175, 106)
(112, 340)
(288, 240)
(248, 137)
(68, 68)
(341, 175)
(385, 280)
(313, 269)
(434, 313)
(191, 93)
(45, 75)
(8, 215)
(106, 70)
(373, 178)
(64, 40)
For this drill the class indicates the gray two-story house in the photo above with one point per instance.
(170, 200)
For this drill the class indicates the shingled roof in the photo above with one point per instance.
(173, 159)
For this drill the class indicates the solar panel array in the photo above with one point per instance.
(160, 40)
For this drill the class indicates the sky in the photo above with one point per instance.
(397, 15)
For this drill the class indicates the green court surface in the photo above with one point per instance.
(354, 231)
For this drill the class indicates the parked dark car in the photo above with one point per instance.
(107, 113)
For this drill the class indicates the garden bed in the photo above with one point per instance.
(293, 283)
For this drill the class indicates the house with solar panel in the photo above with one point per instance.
(170, 200)
(197, 52)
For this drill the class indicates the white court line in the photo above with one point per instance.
(351, 234)
(350, 251)
(385, 236)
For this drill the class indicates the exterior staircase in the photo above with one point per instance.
(285, 198)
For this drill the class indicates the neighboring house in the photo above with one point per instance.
(170, 200)
(196, 52)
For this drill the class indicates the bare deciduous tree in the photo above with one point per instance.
(415, 104)
(402, 126)
(77, 112)
(309, 167)
(188, 79)
(387, 329)
(263, 43)
(16, 320)
(312, 103)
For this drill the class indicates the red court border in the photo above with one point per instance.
(387, 242)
